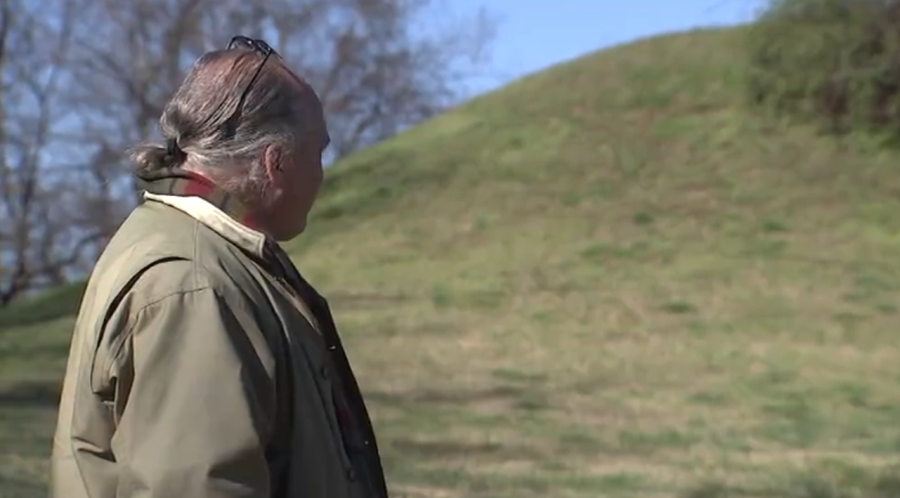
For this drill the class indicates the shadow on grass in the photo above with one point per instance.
(32, 394)
(857, 483)
(447, 397)
(58, 303)
(430, 429)
(16, 487)
(515, 398)
(443, 450)
(364, 300)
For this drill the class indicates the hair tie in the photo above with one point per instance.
(173, 150)
(172, 146)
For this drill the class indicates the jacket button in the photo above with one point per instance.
(324, 372)
(351, 474)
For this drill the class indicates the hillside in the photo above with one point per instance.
(607, 279)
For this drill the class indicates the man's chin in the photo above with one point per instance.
(288, 235)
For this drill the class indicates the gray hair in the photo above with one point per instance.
(197, 118)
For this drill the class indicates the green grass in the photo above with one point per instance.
(608, 279)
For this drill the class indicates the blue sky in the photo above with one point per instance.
(534, 34)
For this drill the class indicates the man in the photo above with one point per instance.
(203, 365)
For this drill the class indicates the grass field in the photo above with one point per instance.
(608, 279)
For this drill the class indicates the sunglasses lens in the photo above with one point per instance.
(258, 46)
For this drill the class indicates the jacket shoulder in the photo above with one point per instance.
(157, 252)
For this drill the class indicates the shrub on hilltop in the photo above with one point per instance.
(834, 61)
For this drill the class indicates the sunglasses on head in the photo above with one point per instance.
(260, 47)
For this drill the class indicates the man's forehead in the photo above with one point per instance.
(314, 114)
(300, 82)
(306, 90)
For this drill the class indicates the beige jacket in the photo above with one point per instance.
(195, 371)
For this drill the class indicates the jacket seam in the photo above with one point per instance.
(114, 358)
(108, 368)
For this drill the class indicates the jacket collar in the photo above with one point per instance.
(207, 213)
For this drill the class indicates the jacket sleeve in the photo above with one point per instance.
(196, 401)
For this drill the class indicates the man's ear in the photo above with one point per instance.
(273, 159)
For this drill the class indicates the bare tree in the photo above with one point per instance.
(379, 65)
(39, 241)
(99, 72)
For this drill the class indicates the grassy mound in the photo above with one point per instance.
(607, 279)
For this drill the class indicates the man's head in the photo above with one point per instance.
(246, 122)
